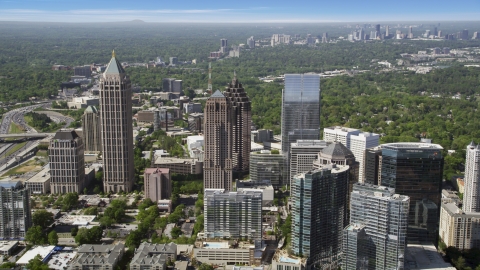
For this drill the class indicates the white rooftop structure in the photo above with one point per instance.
(77, 219)
(43, 251)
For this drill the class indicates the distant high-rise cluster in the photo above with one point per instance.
(117, 128)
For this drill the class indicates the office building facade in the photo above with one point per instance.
(237, 215)
(91, 130)
(358, 144)
(471, 198)
(157, 184)
(218, 165)
(117, 128)
(372, 166)
(16, 217)
(67, 162)
(241, 125)
(382, 215)
(267, 166)
(416, 170)
(318, 214)
(458, 228)
(302, 155)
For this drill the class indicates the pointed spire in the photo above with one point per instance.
(472, 144)
(113, 54)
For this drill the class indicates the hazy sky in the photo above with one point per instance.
(238, 10)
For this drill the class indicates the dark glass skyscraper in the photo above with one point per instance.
(415, 170)
(300, 109)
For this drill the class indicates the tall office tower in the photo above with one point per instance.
(387, 31)
(300, 110)
(223, 42)
(218, 165)
(471, 197)
(410, 32)
(67, 162)
(475, 35)
(383, 217)
(157, 184)
(15, 211)
(318, 214)
(91, 130)
(233, 214)
(439, 34)
(372, 166)
(251, 42)
(435, 31)
(416, 170)
(465, 34)
(358, 144)
(173, 60)
(361, 34)
(325, 37)
(241, 124)
(117, 128)
(265, 165)
(302, 155)
(377, 28)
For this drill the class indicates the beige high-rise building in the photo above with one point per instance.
(116, 126)
(241, 125)
(67, 164)
(218, 165)
(458, 228)
(92, 138)
(157, 184)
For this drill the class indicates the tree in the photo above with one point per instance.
(74, 231)
(205, 266)
(70, 200)
(53, 238)
(37, 264)
(8, 265)
(106, 222)
(42, 218)
(35, 236)
(89, 236)
(176, 232)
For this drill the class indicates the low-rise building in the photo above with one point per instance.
(283, 261)
(43, 251)
(179, 165)
(229, 253)
(192, 107)
(153, 256)
(195, 122)
(264, 186)
(262, 135)
(98, 257)
(7, 247)
(145, 116)
(83, 102)
(459, 229)
(40, 182)
(165, 205)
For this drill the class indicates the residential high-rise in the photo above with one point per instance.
(416, 170)
(251, 42)
(91, 134)
(218, 165)
(67, 162)
(15, 211)
(117, 128)
(340, 134)
(237, 215)
(300, 109)
(383, 217)
(318, 214)
(471, 197)
(302, 155)
(265, 165)
(459, 229)
(358, 144)
(241, 124)
(157, 184)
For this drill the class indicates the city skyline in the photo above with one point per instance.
(245, 11)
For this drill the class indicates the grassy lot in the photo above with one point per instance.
(15, 148)
(29, 166)
(42, 153)
(14, 128)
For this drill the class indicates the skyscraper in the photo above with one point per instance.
(67, 163)
(302, 155)
(241, 125)
(92, 138)
(358, 144)
(471, 197)
(117, 129)
(217, 164)
(382, 216)
(318, 214)
(15, 210)
(416, 170)
(266, 165)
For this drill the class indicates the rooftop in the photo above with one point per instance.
(114, 67)
(7, 245)
(215, 245)
(337, 150)
(424, 257)
(412, 146)
(37, 250)
(42, 176)
(66, 134)
(217, 94)
(77, 219)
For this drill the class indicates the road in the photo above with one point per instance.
(16, 116)
(58, 117)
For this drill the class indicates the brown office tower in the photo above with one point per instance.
(67, 164)
(241, 126)
(217, 166)
(91, 130)
(116, 126)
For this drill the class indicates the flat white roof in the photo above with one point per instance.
(77, 219)
(43, 251)
(7, 245)
(60, 261)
